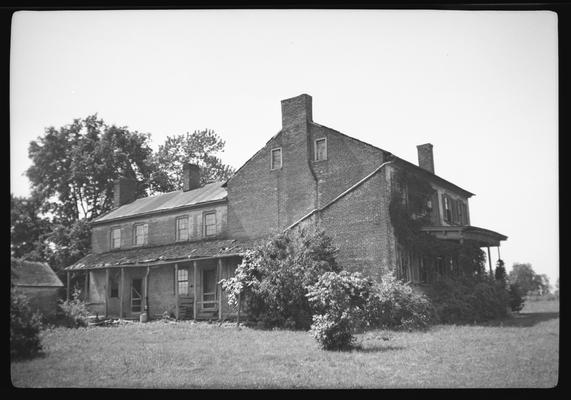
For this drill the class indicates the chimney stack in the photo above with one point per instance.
(296, 111)
(425, 157)
(125, 191)
(190, 177)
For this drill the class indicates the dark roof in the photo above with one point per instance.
(167, 201)
(31, 273)
(166, 253)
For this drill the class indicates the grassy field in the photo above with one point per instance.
(520, 352)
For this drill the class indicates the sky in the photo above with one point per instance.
(481, 86)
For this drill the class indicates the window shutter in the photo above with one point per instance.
(444, 216)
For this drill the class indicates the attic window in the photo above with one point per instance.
(321, 149)
(276, 158)
(141, 234)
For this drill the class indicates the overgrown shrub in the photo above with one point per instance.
(393, 304)
(516, 297)
(462, 300)
(73, 312)
(340, 303)
(273, 278)
(25, 326)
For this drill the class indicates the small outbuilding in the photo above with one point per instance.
(38, 282)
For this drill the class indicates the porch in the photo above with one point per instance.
(419, 268)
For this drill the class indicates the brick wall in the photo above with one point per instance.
(162, 228)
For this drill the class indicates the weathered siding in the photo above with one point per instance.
(162, 228)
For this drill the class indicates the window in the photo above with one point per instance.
(182, 228)
(141, 235)
(209, 288)
(210, 223)
(276, 158)
(182, 281)
(115, 238)
(447, 210)
(321, 149)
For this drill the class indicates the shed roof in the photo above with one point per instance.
(31, 273)
(167, 201)
(161, 254)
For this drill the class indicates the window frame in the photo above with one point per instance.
(177, 231)
(180, 281)
(272, 167)
(111, 239)
(204, 226)
(315, 152)
(145, 236)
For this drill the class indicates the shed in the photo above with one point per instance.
(38, 282)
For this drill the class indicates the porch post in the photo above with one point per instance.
(499, 257)
(194, 305)
(86, 287)
(219, 289)
(67, 288)
(176, 290)
(106, 292)
(121, 292)
(146, 295)
(490, 262)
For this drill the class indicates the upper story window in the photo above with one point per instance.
(182, 231)
(276, 158)
(320, 149)
(141, 234)
(447, 209)
(210, 223)
(455, 211)
(115, 238)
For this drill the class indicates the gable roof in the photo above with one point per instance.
(31, 273)
(167, 201)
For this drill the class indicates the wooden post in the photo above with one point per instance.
(121, 292)
(239, 306)
(67, 288)
(490, 262)
(106, 292)
(219, 289)
(146, 296)
(86, 287)
(194, 305)
(499, 257)
(176, 290)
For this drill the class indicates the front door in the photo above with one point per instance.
(136, 295)
(209, 289)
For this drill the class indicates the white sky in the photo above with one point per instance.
(481, 86)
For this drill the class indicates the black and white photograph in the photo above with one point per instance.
(284, 198)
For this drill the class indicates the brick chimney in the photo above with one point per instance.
(425, 157)
(125, 191)
(190, 177)
(296, 111)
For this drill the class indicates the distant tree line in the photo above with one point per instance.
(72, 178)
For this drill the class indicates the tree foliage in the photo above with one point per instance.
(28, 228)
(529, 282)
(200, 147)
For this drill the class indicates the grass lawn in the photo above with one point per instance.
(519, 352)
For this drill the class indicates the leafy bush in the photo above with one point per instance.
(273, 278)
(340, 303)
(25, 326)
(461, 300)
(393, 304)
(74, 312)
(517, 299)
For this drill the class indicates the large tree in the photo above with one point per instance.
(525, 277)
(27, 228)
(74, 167)
(200, 147)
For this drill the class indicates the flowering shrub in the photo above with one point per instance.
(394, 304)
(340, 302)
(273, 278)
(74, 313)
(25, 326)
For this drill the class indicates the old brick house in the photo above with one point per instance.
(167, 252)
